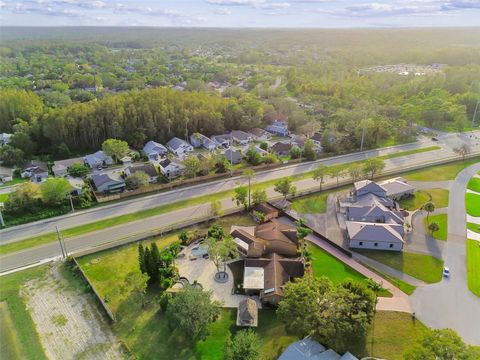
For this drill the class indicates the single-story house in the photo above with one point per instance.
(397, 188)
(278, 127)
(126, 160)
(171, 169)
(200, 140)
(260, 134)
(233, 156)
(269, 212)
(60, 167)
(97, 159)
(5, 138)
(77, 185)
(148, 169)
(154, 150)
(108, 183)
(241, 137)
(247, 313)
(179, 147)
(376, 236)
(36, 170)
(6, 174)
(309, 349)
(281, 148)
(222, 140)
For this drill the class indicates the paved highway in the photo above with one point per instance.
(446, 142)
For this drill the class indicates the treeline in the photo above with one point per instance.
(136, 116)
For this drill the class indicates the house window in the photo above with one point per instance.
(360, 243)
(391, 246)
(376, 244)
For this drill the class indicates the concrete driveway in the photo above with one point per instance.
(420, 241)
(449, 303)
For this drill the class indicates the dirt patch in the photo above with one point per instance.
(68, 321)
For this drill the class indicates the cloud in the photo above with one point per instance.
(254, 3)
(275, 6)
(223, 11)
(181, 18)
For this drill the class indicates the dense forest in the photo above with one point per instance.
(64, 92)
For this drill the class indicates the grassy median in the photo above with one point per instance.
(442, 222)
(473, 266)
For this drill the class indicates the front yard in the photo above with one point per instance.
(442, 221)
(438, 196)
(423, 267)
(473, 266)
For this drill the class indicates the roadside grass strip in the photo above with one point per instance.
(473, 266)
(438, 196)
(422, 267)
(409, 152)
(402, 285)
(440, 172)
(19, 338)
(472, 202)
(442, 221)
(4, 197)
(474, 184)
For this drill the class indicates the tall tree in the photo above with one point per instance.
(241, 196)
(319, 174)
(54, 191)
(354, 170)
(245, 345)
(336, 171)
(259, 196)
(429, 207)
(137, 281)
(373, 166)
(192, 166)
(285, 187)
(309, 150)
(250, 175)
(115, 148)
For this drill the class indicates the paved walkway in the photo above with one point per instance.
(449, 303)
(399, 301)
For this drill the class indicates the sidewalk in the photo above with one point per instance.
(399, 302)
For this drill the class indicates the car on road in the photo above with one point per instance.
(434, 138)
(446, 272)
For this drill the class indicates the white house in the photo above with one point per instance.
(200, 140)
(241, 137)
(278, 127)
(154, 150)
(179, 147)
(98, 159)
(171, 169)
(260, 134)
(222, 140)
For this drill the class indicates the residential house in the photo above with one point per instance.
(317, 140)
(281, 148)
(270, 258)
(6, 174)
(269, 212)
(171, 169)
(260, 151)
(97, 159)
(154, 150)
(260, 134)
(247, 313)
(241, 137)
(148, 169)
(365, 235)
(309, 349)
(77, 185)
(200, 140)
(179, 147)
(5, 138)
(233, 156)
(278, 127)
(367, 186)
(397, 188)
(126, 160)
(108, 183)
(222, 140)
(36, 170)
(60, 167)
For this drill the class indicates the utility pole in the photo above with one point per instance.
(71, 203)
(231, 155)
(475, 113)
(60, 242)
(363, 133)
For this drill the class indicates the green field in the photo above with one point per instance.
(472, 202)
(438, 196)
(473, 266)
(18, 330)
(474, 184)
(15, 181)
(474, 227)
(423, 267)
(442, 221)
(440, 172)
(9, 344)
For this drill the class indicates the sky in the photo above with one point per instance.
(241, 13)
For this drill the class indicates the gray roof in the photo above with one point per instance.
(368, 185)
(98, 156)
(154, 147)
(176, 143)
(370, 199)
(396, 186)
(65, 164)
(362, 231)
(235, 156)
(378, 211)
(148, 169)
(240, 135)
(327, 355)
(36, 166)
(100, 179)
(302, 350)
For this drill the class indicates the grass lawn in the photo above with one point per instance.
(4, 197)
(15, 181)
(324, 264)
(402, 285)
(409, 152)
(19, 338)
(473, 266)
(9, 344)
(438, 196)
(440, 172)
(442, 221)
(420, 266)
(472, 201)
(473, 227)
(474, 184)
(315, 203)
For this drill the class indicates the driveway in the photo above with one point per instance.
(420, 241)
(449, 303)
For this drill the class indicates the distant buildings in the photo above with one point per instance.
(171, 169)
(60, 167)
(179, 147)
(36, 170)
(199, 140)
(154, 150)
(97, 159)
(278, 127)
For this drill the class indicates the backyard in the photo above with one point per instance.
(442, 221)
(473, 266)
(422, 267)
(438, 196)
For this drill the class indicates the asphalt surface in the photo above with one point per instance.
(448, 142)
(449, 303)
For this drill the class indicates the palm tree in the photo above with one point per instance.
(250, 175)
(302, 232)
(433, 227)
(429, 207)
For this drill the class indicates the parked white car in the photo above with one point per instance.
(446, 272)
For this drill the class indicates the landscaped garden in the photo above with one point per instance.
(442, 221)
(423, 267)
(472, 202)
(438, 196)
(473, 266)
